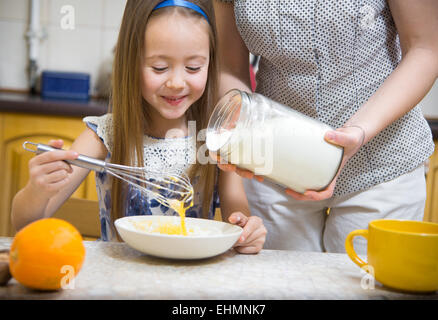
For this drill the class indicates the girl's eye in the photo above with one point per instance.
(159, 69)
(193, 69)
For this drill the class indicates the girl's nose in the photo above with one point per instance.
(176, 81)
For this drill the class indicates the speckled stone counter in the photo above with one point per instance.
(115, 271)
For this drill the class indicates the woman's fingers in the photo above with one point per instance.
(244, 173)
(241, 172)
(259, 178)
(311, 195)
(351, 139)
(321, 195)
(296, 195)
(335, 137)
(226, 167)
(223, 165)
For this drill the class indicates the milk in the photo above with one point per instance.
(288, 149)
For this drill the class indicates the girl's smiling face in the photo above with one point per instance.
(175, 67)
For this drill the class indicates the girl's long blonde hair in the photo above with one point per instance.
(130, 110)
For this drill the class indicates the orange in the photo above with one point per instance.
(46, 254)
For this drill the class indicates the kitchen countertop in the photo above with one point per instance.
(19, 102)
(115, 271)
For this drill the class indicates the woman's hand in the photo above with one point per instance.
(227, 167)
(253, 235)
(48, 173)
(351, 138)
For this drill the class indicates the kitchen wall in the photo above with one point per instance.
(86, 48)
(429, 104)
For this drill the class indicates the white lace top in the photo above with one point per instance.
(175, 154)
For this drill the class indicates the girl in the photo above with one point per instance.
(164, 76)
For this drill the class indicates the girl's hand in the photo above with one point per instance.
(253, 235)
(351, 138)
(48, 173)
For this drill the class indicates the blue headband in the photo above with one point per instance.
(181, 3)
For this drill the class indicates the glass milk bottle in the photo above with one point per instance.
(273, 140)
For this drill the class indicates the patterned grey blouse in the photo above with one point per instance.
(325, 59)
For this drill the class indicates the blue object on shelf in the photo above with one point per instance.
(65, 85)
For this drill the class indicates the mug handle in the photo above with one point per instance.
(350, 248)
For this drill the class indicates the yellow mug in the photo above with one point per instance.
(401, 254)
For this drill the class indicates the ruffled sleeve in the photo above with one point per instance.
(103, 127)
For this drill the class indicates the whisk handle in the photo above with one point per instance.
(81, 161)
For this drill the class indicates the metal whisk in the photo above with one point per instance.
(165, 186)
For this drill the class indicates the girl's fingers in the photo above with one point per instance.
(238, 218)
(248, 249)
(56, 143)
(48, 171)
(256, 237)
(253, 244)
(51, 182)
(56, 176)
(55, 155)
(50, 167)
(56, 186)
(57, 165)
(249, 228)
(253, 235)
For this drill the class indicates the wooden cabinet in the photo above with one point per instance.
(431, 210)
(16, 128)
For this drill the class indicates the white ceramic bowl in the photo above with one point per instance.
(214, 238)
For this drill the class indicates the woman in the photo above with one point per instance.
(361, 68)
